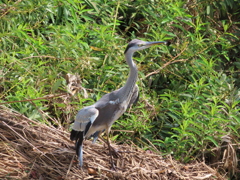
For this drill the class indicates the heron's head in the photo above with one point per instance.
(137, 44)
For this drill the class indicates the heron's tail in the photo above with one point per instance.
(79, 147)
(74, 135)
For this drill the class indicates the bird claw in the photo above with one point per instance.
(114, 153)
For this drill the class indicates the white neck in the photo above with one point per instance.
(125, 93)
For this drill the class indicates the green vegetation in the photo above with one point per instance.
(189, 92)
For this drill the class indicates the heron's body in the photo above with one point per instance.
(104, 112)
(92, 120)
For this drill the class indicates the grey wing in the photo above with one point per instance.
(133, 100)
(135, 96)
(85, 118)
(83, 122)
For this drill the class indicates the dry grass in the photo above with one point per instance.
(30, 150)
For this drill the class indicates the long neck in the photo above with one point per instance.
(126, 91)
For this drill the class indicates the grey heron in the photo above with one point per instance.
(93, 120)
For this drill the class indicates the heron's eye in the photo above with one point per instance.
(140, 45)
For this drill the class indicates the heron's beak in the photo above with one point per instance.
(157, 42)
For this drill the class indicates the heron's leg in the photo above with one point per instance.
(112, 151)
(95, 136)
(110, 154)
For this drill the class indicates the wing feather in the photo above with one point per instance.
(85, 118)
(83, 122)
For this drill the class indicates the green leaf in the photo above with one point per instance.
(212, 140)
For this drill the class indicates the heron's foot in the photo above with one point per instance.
(114, 152)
